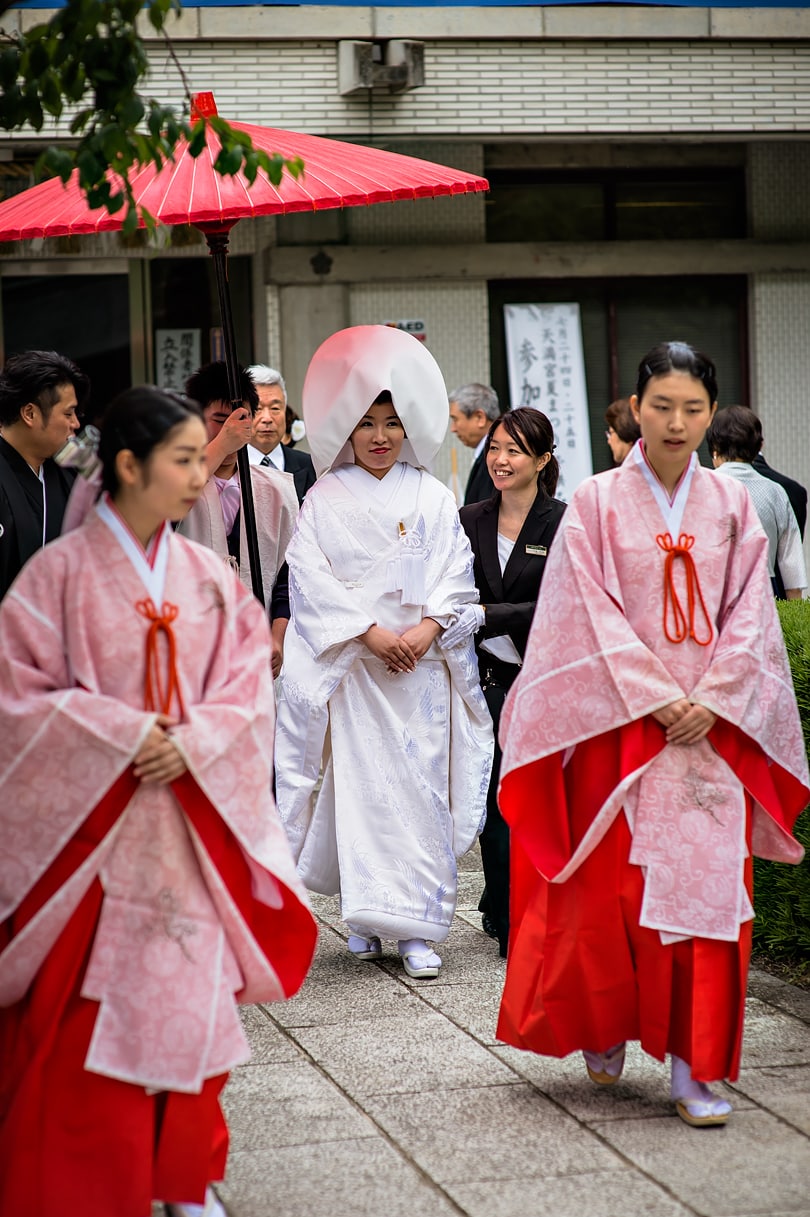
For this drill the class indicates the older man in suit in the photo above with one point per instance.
(269, 423)
(473, 409)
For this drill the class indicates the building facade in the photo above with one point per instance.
(650, 164)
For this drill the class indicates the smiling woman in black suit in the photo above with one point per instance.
(510, 535)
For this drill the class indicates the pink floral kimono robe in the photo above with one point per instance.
(133, 917)
(631, 886)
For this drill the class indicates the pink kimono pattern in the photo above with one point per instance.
(174, 948)
(599, 658)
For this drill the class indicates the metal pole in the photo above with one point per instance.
(217, 238)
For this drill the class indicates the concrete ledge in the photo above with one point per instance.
(578, 21)
(547, 260)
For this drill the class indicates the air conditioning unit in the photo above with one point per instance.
(396, 64)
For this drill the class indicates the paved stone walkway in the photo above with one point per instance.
(373, 1095)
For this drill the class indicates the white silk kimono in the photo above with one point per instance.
(201, 901)
(406, 757)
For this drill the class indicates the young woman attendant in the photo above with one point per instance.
(371, 692)
(655, 712)
(146, 882)
(510, 535)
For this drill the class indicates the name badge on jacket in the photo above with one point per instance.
(538, 551)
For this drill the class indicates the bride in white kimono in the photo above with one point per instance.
(379, 689)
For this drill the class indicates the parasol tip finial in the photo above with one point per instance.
(203, 105)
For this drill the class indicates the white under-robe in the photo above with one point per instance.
(405, 756)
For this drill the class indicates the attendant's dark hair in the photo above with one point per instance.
(619, 416)
(140, 419)
(677, 357)
(735, 433)
(37, 376)
(210, 383)
(534, 435)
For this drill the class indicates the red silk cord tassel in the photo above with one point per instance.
(156, 697)
(683, 623)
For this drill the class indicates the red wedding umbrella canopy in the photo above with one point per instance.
(188, 191)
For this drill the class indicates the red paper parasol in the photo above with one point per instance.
(188, 191)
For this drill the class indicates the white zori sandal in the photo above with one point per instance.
(694, 1101)
(211, 1208)
(418, 960)
(365, 948)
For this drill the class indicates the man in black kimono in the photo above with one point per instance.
(40, 392)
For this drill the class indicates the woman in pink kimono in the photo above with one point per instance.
(651, 743)
(145, 884)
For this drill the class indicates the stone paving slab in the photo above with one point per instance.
(754, 1165)
(773, 1038)
(357, 1178)
(374, 1095)
(598, 1194)
(783, 1090)
(416, 1051)
(490, 1133)
(272, 1105)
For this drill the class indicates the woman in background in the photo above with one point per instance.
(510, 535)
(622, 429)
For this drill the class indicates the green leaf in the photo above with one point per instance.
(228, 162)
(197, 141)
(131, 111)
(81, 120)
(51, 94)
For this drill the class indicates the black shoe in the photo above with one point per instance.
(488, 926)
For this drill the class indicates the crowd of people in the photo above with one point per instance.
(598, 692)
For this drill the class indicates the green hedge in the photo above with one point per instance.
(781, 892)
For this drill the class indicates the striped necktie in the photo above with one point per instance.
(265, 461)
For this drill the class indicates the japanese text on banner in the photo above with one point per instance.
(547, 372)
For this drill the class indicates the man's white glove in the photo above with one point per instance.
(468, 622)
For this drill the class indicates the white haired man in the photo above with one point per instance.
(268, 427)
(473, 410)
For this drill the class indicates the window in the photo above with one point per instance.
(623, 205)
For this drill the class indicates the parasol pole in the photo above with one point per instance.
(217, 237)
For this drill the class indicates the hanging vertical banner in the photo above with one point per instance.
(547, 371)
(177, 355)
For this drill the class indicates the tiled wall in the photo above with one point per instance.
(489, 88)
(457, 323)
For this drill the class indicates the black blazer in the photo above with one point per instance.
(510, 599)
(299, 464)
(21, 509)
(794, 490)
(479, 484)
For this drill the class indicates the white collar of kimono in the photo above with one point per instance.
(384, 491)
(672, 509)
(350, 370)
(150, 564)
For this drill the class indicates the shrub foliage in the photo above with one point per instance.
(781, 892)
